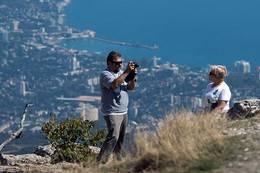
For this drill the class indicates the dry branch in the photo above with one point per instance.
(16, 134)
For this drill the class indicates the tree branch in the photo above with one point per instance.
(18, 133)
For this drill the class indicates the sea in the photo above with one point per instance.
(188, 32)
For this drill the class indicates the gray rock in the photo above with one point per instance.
(46, 150)
(245, 108)
(25, 159)
(95, 150)
(3, 161)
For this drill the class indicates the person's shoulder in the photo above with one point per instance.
(105, 72)
(210, 85)
(225, 86)
(208, 88)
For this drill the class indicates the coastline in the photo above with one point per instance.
(179, 46)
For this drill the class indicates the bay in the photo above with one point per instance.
(188, 32)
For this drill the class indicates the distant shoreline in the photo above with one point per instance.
(178, 42)
(128, 44)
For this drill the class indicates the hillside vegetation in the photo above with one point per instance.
(183, 143)
(188, 143)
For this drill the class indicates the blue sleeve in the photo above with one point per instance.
(106, 79)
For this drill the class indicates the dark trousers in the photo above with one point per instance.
(116, 126)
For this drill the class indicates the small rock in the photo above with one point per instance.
(95, 150)
(246, 149)
(230, 165)
(46, 150)
(257, 127)
(240, 164)
(245, 158)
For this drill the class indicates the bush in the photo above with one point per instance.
(72, 138)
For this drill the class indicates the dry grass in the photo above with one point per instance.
(181, 140)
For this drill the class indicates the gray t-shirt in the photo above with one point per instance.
(113, 102)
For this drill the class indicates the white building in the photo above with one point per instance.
(90, 33)
(196, 103)
(134, 110)
(43, 30)
(61, 19)
(92, 83)
(155, 61)
(4, 35)
(175, 69)
(23, 88)
(74, 64)
(88, 112)
(69, 30)
(258, 73)
(175, 100)
(242, 67)
(95, 81)
(15, 25)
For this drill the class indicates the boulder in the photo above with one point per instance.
(245, 108)
(46, 150)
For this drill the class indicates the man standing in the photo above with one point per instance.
(114, 102)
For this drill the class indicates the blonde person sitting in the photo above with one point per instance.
(217, 94)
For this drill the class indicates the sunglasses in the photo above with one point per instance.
(117, 62)
(212, 74)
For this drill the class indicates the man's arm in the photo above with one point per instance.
(118, 81)
(131, 85)
(221, 105)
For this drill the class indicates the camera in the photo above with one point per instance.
(132, 74)
(135, 64)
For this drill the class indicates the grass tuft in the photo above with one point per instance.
(181, 141)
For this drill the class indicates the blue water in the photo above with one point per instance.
(189, 32)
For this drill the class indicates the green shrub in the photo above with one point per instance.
(72, 138)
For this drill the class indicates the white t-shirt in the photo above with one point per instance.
(213, 94)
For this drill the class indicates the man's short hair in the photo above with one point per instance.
(112, 55)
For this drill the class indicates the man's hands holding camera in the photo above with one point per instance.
(131, 70)
(127, 76)
(131, 67)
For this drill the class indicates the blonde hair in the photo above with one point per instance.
(219, 71)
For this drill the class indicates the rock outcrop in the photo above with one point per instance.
(245, 108)
(26, 159)
(42, 155)
(46, 150)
